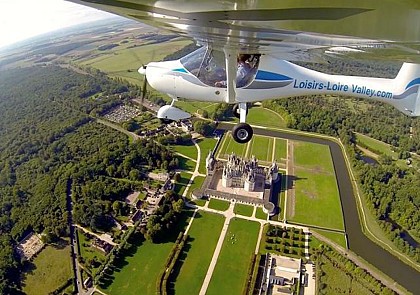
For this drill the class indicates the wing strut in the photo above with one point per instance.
(231, 68)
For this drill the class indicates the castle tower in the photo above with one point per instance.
(274, 171)
(249, 184)
(210, 163)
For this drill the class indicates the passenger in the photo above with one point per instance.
(242, 73)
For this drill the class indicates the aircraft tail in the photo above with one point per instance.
(408, 80)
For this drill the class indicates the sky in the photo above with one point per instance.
(21, 19)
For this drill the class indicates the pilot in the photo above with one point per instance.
(242, 72)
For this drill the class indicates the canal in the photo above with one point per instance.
(402, 273)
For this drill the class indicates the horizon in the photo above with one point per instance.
(41, 17)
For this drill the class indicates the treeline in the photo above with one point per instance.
(345, 276)
(391, 191)
(48, 138)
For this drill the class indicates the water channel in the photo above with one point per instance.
(402, 273)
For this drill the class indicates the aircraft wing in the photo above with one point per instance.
(291, 29)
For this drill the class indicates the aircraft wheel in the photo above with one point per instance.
(236, 112)
(242, 133)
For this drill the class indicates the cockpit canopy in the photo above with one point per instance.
(209, 67)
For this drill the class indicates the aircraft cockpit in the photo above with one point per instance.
(209, 67)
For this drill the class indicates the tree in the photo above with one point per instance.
(178, 205)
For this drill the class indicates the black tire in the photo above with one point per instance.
(242, 133)
(236, 112)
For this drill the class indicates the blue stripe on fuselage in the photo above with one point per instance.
(180, 70)
(270, 76)
(412, 83)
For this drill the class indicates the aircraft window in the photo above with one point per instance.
(206, 64)
(246, 71)
(209, 67)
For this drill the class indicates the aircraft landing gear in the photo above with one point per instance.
(242, 132)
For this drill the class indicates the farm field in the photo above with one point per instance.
(192, 266)
(230, 273)
(123, 62)
(51, 260)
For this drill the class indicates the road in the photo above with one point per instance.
(73, 243)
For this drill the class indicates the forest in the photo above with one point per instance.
(51, 146)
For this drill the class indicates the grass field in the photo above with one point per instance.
(50, 269)
(317, 200)
(338, 238)
(194, 262)
(188, 150)
(182, 183)
(280, 150)
(206, 144)
(259, 213)
(229, 145)
(197, 182)
(263, 117)
(185, 163)
(124, 62)
(140, 267)
(200, 202)
(313, 156)
(316, 187)
(219, 204)
(243, 209)
(261, 147)
(230, 273)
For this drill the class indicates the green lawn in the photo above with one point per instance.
(317, 201)
(230, 273)
(206, 144)
(264, 117)
(219, 204)
(280, 150)
(185, 163)
(261, 147)
(182, 183)
(243, 209)
(188, 150)
(142, 264)
(313, 156)
(50, 269)
(194, 262)
(200, 202)
(316, 187)
(260, 214)
(197, 182)
(229, 145)
(338, 238)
